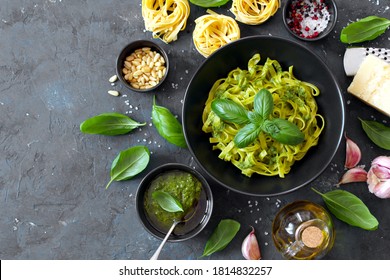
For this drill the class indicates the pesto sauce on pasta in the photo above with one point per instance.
(294, 100)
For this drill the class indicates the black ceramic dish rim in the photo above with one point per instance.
(322, 35)
(216, 180)
(143, 185)
(128, 50)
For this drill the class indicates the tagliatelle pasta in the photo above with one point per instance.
(254, 12)
(165, 18)
(213, 31)
(293, 101)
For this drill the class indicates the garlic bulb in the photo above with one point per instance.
(250, 247)
(378, 177)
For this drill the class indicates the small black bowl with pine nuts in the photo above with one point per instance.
(142, 66)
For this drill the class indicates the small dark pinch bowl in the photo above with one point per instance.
(332, 8)
(206, 204)
(128, 50)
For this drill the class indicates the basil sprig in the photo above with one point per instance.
(378, 133)
(366, 29)
(167, 125)
(209, 3)
(221, 237)
(129, 163)
(349, 208)
(167, 202)
(257, 121)
(109, 124)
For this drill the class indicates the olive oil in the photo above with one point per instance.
(303, 230)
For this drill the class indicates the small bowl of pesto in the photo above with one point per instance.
(181, 186)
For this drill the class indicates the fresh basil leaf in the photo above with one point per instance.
(209, 3)
(366, 29)
(255, 118)
(230, 111)
(129, 163)
(263, 103)
(349, 208)
(167, 202)
(247, 135)
(167, 125)
(378, 133)
(283, 131)
(109, 124)
(221, 237)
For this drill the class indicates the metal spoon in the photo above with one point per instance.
(186, 218)
(157, 253)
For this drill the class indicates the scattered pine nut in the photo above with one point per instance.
(113, 92)
(113, 79)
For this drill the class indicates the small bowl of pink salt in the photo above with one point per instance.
(310, 20)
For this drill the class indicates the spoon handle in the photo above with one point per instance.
(157, 253)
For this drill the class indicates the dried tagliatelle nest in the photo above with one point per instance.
(213, 31)
(254, 12)
(165, 18)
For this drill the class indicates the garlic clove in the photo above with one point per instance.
(378, 177)
(250, 247)
(356, 174)
(372, 180)
(381, 166)
(382, 173)
(382, 189)
(353, 153)
(382, 161)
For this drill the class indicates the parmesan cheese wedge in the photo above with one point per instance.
(371, 84)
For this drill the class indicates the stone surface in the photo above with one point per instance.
(55, 61)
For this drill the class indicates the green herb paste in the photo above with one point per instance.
(183, 186)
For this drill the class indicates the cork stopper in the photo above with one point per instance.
(312, 237)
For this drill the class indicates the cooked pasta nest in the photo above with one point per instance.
(294, 100)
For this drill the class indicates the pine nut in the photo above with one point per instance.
(113, 92)
(127, 65)
(135, 85)
(156, 57)
(113, 79)
(146, 69)
(137, 73)
(136, 62)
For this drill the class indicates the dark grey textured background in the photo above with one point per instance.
(55, 61)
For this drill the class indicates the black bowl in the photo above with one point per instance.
(182, 231)
(128, 50)
(308, 67)
(332, 8)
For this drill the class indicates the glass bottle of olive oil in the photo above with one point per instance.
(303, 230)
